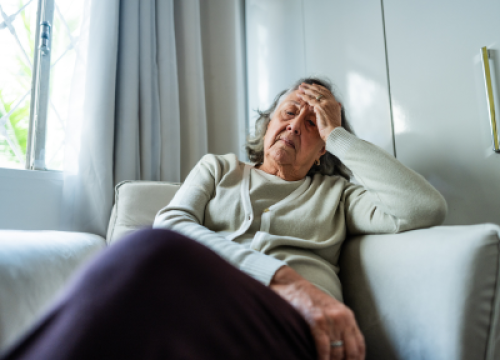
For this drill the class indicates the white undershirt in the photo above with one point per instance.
(265, 191)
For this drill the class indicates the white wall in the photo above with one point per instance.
(342, 41)
(30, 200)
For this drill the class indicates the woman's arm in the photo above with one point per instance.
(390, 197)
(185, 214)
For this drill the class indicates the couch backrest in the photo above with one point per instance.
(136, 205)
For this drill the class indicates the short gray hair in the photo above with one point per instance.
(329, 163)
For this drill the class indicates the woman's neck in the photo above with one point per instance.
(285, 172)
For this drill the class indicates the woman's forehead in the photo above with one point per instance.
(293, 96)
(293, 99)
(293, 102)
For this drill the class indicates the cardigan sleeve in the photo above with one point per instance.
(185, 214)
(391, 197)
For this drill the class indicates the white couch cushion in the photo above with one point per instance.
(136, 205)
(34, 267)
(426, 294)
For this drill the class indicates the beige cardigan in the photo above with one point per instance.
(305, 230)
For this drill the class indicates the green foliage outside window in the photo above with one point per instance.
(19, 73)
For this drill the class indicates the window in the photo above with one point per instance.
(38, 40)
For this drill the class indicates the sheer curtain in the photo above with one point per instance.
(138, 74)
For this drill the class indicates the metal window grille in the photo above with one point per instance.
(55, 38)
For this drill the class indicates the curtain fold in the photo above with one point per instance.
(194, 136)
(141, 72)
(90, 130)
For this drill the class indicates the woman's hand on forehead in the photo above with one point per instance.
(325, 106)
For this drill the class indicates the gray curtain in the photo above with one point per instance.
(140, 71)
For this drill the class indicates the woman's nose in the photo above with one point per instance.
(294, 127)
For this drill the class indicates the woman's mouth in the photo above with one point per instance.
(288, 142)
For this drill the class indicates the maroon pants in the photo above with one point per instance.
(160, 295)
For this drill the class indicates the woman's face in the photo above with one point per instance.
(292, 138)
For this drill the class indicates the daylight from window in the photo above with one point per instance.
(17, 41)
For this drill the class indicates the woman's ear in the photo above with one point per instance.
(322, 151)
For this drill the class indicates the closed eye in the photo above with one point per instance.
(311, 122)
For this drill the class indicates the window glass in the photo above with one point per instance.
(17, 41)
(65, 37)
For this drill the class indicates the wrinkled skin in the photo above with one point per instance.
(295, 138)
(298, 130)
(328, 318)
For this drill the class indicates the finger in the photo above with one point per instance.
(361, 343)
(319, 111)
(314, 93)
(337, 353)
(310, 99)
(320, 116)
(359, 339)
(317, 91)
(322, 345)
(351, 346)
(308, 88)
(318, 88)
(314, 98)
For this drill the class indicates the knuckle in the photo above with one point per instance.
(335, 316)
(342, 313)
(347, 315)
(318, 318)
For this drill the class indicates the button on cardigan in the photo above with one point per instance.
(305, 228)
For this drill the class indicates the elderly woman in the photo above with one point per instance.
(280, 220)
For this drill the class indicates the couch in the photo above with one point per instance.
(423, 294)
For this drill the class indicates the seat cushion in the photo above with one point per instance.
(34, 267)
(136, 205)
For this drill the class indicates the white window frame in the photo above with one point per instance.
(35, 147)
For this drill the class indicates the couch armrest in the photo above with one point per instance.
(136, 205)
(34, 266)
(426, 294)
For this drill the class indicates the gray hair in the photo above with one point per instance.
(329, 163)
